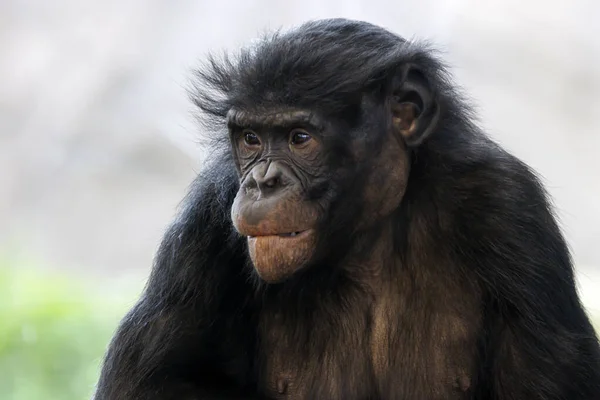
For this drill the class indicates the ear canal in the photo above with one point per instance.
(404, 118)
(415, 109)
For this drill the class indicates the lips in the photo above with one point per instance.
(282, 235)
(291, 234)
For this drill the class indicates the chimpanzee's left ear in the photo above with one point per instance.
(414, 106)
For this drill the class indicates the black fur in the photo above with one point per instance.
(194, 334)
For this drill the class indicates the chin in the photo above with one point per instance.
(277, 257)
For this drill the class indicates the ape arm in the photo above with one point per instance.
(148, 358)
(540, 340)
(178, 342)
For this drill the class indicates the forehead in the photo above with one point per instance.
(274, 118)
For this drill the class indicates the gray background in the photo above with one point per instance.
(98, 142)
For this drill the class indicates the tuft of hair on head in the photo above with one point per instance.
(326, 64)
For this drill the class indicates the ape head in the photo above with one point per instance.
(322, 121)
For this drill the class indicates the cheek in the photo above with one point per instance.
(386, 184)
(385, 195)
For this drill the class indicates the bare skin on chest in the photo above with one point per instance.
(415, 340)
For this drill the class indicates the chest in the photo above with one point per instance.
(403, 343)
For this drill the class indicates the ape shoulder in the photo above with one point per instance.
(200, 247)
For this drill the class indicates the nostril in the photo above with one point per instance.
(269, 178)
(272, 182)
(251, 184)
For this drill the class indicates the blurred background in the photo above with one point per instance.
(98, 143)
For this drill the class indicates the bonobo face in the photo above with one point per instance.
(308, 181)
(279, 158)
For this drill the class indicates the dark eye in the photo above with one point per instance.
(299, 136)
(250, 138)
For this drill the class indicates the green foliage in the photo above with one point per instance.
(53, 334)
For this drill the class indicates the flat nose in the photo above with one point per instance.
(268, 177)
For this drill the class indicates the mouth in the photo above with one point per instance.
(283, 235)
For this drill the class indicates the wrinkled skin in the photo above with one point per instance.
(279, 154)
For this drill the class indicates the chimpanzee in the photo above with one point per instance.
(354, 235)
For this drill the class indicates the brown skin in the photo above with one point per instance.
(270, 207)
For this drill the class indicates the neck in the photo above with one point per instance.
(372, 254)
